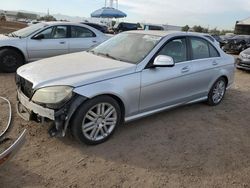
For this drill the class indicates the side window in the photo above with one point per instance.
(81, 32)
(176, 49)
(47, 33)
(59, 32)
(213, 51)
(199, 48)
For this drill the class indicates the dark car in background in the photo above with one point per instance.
(125, 26)
(218, 39)
(237, 44)
(243, 62)
(153, 27)
(102, 28)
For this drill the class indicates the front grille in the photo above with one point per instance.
(25, 86)
(244, 65)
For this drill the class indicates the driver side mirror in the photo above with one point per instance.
(39, 37)
(163, 61)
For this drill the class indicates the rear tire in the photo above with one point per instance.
(10, 60)
(217, 92)
(96, 120)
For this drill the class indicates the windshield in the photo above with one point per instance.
(128, 47)
(27, 31)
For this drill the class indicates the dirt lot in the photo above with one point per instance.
(192, 146)
(7, 27)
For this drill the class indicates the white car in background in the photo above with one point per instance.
(44, 40)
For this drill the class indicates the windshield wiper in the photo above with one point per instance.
(108, 55)
(13, 35)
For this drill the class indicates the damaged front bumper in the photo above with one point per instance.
(31, 111)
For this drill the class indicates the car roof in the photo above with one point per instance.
(154, 32)
(62, 23)
(166, 33)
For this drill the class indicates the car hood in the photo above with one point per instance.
(247, 51)
(4, 37)
(75, 70)
(10, 41)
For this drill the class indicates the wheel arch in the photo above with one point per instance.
(81, 100)
(226, 78)
(16, 49)
(213, 81)
(115, 97)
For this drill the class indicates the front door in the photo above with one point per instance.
(166, 86)
(55, 42)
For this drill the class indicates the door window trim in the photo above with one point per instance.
(70, 33)
(151, 61)
(207, 41)
(53, 27)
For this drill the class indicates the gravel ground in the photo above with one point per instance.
(192, 146)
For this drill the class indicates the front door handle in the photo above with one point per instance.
(94, 41)
(62, 42)
(185, 69)
(215, 63)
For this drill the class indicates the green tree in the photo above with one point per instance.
(2, 17)
(47, 18)
(215, 31)
(185, 28)
(198, 28)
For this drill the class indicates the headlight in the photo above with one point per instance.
(52, 95)
(244, 56)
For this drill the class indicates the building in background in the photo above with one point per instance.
(242, 27)
(164, 27)
(16, 15)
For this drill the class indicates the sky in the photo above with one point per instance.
(208, 13)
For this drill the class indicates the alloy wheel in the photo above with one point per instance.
(218, 91)
(99, 121)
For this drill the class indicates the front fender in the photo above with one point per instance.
(126, 88)
(18, 44)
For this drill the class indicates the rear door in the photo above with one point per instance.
(205, 62)
(81, 39)
(55, 42)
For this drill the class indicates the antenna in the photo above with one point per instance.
(110, 3)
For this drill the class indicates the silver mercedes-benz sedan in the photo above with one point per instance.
(130, 76)
(45, 40)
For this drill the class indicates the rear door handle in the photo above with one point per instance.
(215, 63)
(94, 41)
(185, 69)
(62, 42)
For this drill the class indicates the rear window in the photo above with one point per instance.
(81, 32)
(213, 51)
(199, 48)
(202, 49)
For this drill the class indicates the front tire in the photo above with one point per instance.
(96, 120)
(217, 92)
(10, 60)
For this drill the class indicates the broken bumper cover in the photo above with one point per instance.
(29, 110)
(13, 149)
(25, 108)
